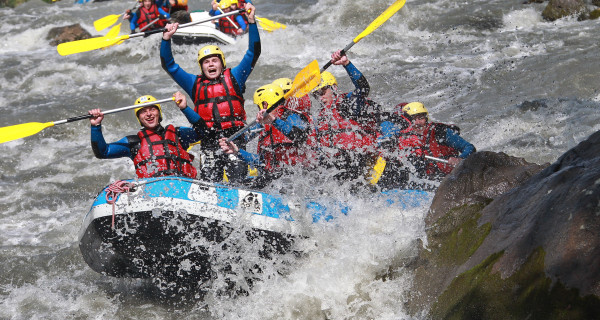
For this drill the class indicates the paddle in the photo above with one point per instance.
(437, 159)
(269, 24)
(390, 11)
(23, 130)
(304, 82)
(229, 19)
(72, 47)
(109, 20)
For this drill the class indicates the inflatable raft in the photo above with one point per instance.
(162, 223)
(201, 33)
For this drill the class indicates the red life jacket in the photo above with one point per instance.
(160, 155)
(278, 150)
(431, 143)
(219, 102)
(146, 16)
(227, 27)
(337, 131)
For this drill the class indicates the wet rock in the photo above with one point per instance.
(557, 9)
(528, 251)
(479, 179)
(70, 33)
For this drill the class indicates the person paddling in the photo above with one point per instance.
(148, 17)
(217, 93)
(155, 150)
(282, 140)
(345, 123)
(421, 140)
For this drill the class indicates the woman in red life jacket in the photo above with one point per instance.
(346, 125)
(425, 138)
(148, 17)
(155, 150)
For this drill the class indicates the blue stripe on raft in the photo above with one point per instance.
(273, 207)
(227, 198)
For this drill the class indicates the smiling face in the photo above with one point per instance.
(212, 67)
(147, 4)
(149, 117)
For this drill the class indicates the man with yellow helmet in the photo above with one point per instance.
(217, 93)
(346, 126)
(155, 150)
(282, 139)
(422, 138)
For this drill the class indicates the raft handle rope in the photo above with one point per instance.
(112, 193)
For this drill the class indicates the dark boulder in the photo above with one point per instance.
(70, 33)
(557, 9)
(501, 245)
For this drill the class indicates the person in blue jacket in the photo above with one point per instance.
(233, 25)
(148, 17)
(433, 148)
(156, 150)
(218, 96)
(346, 123)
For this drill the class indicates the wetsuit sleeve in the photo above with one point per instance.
(198, 124)
(242, 71)
(457, 142)
(294, 127)
(181, 77)
(163, 12)
(252, 159)
(389, 130)
(102, 150)
(362, 88)
(187, 136)
(240, 22)
(358, 79)
(133, 21)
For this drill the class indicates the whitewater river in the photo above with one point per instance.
(512, 82)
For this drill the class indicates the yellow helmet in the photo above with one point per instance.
(145, 99)
(270, 93)
(327, 79)
(223, 4)
(210, 50)
(181, 2)
(284, 83)
(415, 108)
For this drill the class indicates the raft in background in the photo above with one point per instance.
(164, 223)
(201, 33)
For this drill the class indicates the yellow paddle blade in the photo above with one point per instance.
(265, 27)
(270, 23)
(377, 171)
(306, 80)
(381, 19)
(22, 130)
(114, 31)
(106, 22)
(88, 44)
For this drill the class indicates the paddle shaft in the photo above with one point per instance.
(251, 124)
(87, 116)
(150, 24)
(161, 30)
(229, 18)
(390, 11)
(437, 159)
